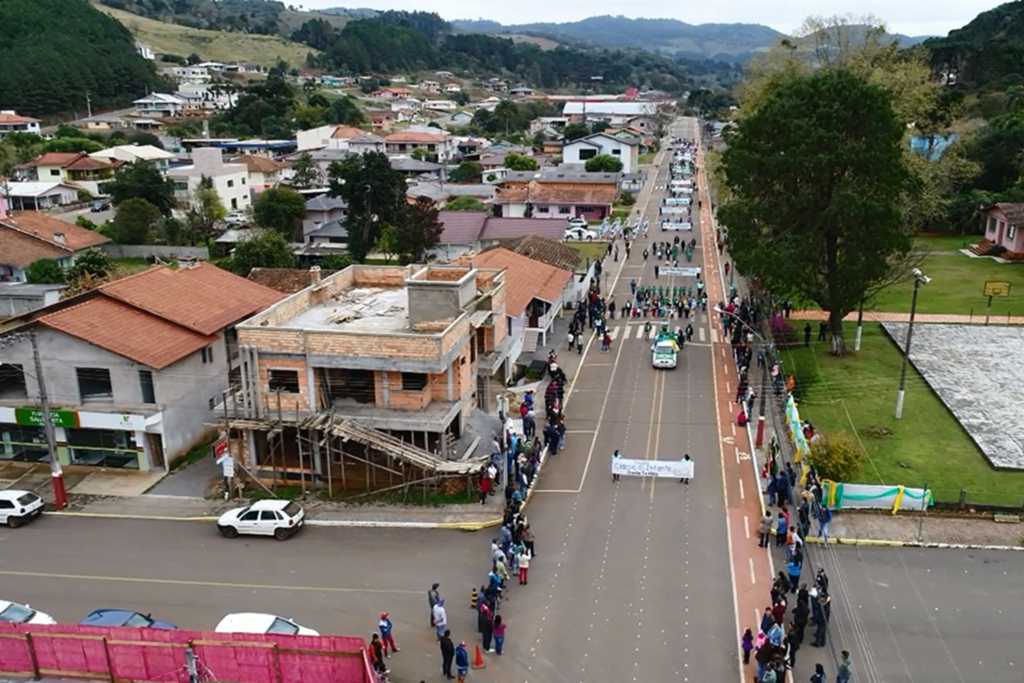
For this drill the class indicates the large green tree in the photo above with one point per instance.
(467, 172)
(815, 173)
(281, 209)
(603, 163)
(376, 196)
(142, 180)
(44, 271)
(418, 231)
(134, 221)
(305, 172)
(514, 161)
(263, 249)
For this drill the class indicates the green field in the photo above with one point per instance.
(956, 287)
(219, 46)
(595, 251)
(945, 242)
(857, 393)
(646, 158)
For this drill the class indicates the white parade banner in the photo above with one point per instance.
(667, 469)
(678, 271)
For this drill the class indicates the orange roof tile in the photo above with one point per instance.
(54, 159)
(257, 163)
(345, 132)
(14, 118)
(49, 229)
(20, 250)
(202, 298)
(525, 278)
(127, 331)
(541, 192)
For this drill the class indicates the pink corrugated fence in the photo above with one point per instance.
(149, 654)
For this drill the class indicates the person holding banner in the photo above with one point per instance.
(686, 468)
(615, 475)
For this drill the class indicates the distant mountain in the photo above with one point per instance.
(986, 53)
(668, 36)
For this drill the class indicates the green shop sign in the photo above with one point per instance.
(33, 417)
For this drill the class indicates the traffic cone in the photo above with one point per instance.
(478, 658)
(473, 598)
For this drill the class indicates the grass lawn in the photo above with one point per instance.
(594, 251)
(646, 158)
(222, 46)
(858, 391)
(945, 242)
(956, 287)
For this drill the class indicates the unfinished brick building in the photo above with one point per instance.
(364, 381)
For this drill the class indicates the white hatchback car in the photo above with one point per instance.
(580, 234)
(23, 614)
(271, 517)
(18, 507)
(254, 622)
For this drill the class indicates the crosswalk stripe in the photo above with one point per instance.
(614, 332)
(714, 336)
(700, 333)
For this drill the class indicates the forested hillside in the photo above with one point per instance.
(986, 53)
(404, 41)
(53, 52)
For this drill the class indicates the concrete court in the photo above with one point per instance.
(910, 615)
(631, 580)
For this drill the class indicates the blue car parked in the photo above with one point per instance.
(123, 617)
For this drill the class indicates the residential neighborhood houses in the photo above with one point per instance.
(396, 362)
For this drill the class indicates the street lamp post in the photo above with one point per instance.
(919, 279)
(60, 496)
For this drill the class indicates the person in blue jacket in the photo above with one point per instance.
(461, 661)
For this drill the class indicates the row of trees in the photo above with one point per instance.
(57, 54)
(394, 41)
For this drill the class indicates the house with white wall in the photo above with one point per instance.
(231, 181)
(11, 122)
(161, 105)
(624, 149)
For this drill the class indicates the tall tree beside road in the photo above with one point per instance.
(142, 180)
(134, 221)
(815, 174)
(376, 196)
(280, 209)
(418, 231)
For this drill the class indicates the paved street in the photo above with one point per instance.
(97, 217)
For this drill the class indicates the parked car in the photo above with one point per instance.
(271, 517)
(23, 614)
(581, 234)
(100, 205)
(577, 222)
(236, 218)
(18, 507)
(254, 622)
(123, 617)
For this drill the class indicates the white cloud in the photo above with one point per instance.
(910, 17)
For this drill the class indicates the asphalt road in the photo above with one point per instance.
(631, 580)
(97, 217)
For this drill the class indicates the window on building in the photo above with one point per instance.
(991, 223)
(207, 354)
(617, 152)
(1011, 230)
(414, 381)
(563, 209)
(285, 381)
(12, 381)
(587, 154)
(146, 385)
(94, 384)
(543, 209)
(212, 403)
(231, 183)
(55, 172)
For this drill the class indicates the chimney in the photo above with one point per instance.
(3, 207)
(58, 237)
(314, 275)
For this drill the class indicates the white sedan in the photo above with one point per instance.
(271, 517)
(23, 614)
(18, 507)
(255, 622)
(580, 234)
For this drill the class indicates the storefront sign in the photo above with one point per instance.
(668, 469)
(220, 446)
(33, 417)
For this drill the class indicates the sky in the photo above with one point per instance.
(909, 17)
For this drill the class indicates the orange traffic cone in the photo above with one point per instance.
(478, 658)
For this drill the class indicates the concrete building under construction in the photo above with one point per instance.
(365, 380)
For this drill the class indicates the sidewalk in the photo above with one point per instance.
(886, 317)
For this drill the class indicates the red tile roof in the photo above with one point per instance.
(76, 161)
(20, 251)
(62, 235)
(536, 192)
(257, 163)
(127, 331)
(346, 132)
(14, 118)
(511, 228)
(202, 298)
(415, 136)
(525, 278)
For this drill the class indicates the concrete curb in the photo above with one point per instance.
(884, 543)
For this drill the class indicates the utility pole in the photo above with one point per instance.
(88, 103)
(60, 496)
(919, 279)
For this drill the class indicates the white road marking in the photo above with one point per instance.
(714, 339)
(746, 527)
(753, 574)
(742, 497)
(614, 333)
(700, 333)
